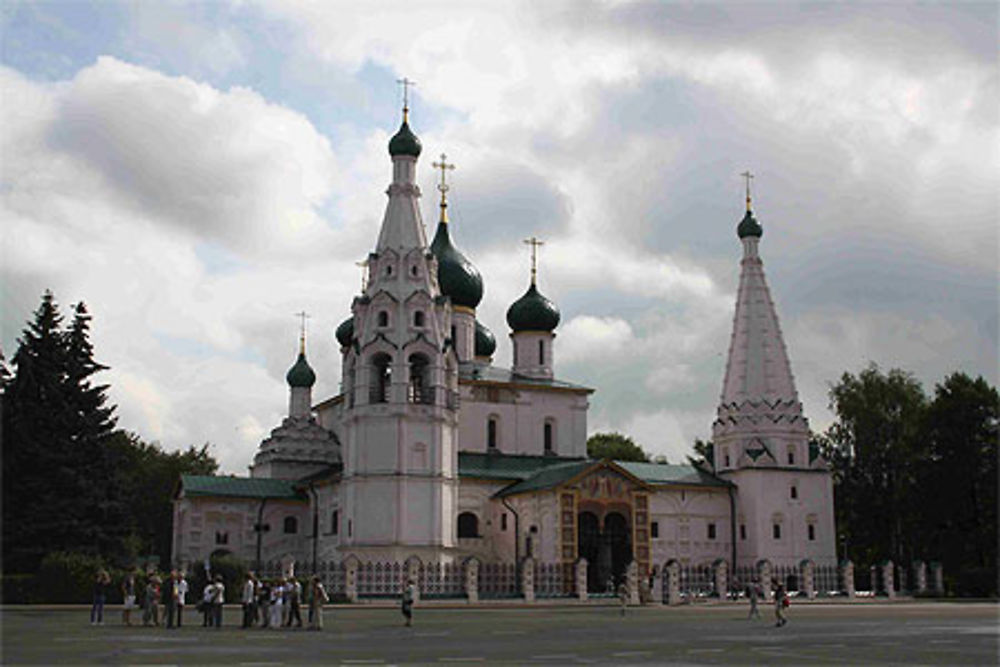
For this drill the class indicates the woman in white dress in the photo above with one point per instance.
(277, 592)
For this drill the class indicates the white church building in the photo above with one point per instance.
(430, 450)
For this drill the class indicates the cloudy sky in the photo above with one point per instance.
(198, 173)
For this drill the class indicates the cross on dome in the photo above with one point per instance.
(747, 176)
(534, 243)
(443, 185)
(406, 83)
(303, 316)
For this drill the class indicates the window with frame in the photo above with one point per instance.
(420, 389)
(711, 531)
(812, 532)
(491, 432)
(381, 378)
(793, 492)
(468, 525)
(383, 318)
(776, 531)
(743, 531)
(335, 522)
(418, 318)
(541, 353)
(221, 537)
(791, 456)
(654, 530)
(547, 437)
(291, 525)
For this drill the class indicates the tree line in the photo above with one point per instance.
(72, 481)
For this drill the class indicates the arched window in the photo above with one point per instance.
(388, 269)
(383, 318)
(335, 522)
(541, 353)
(381, 378)
(491, 432)
(468, 525)
(418, 318)
(793, 491)
(725, 456)
(791, 455)
(419, 389)
(221, 538)
(413, 270)
(776, 521)
(291, 525)
(549, 437)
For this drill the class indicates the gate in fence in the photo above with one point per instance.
(826, 580)
(498, 580)
(697, 581)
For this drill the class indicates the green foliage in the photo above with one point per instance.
(18, 589)
(704, 456)
(915, 479)
(614, 446)
(232, 569)
(67, 577)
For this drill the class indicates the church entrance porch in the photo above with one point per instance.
(605, 541)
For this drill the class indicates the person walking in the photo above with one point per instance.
(182, 590)
(753, 592)
(151, 613)
(317, 598)
(170, 598)
(623, 595)
(409, 595)
(780, 604)
(101, 582)
(128, 597)
(206, 604)
(294, 589)
(218, 600)
(246, 599)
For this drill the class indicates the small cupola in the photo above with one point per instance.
(301, 374)
(486, 343)
(345, 332)
(533, 312)
(404, 142)
(749, 227)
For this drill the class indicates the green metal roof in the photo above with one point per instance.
(547, 478)
(238, 487)
(504, 466)
(663, 473)
(476, 372)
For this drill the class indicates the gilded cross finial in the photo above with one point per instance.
(747, 175)
(364, 274)
(303, 316)
(443, 185)
(534, 243)
(406, 83)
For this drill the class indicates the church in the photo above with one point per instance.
(430, 450)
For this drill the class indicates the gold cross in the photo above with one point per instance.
(747, 175)
(303, 315)
(534, 243)
(406, 83)
(443, 186)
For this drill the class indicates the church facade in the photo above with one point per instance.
(430, 450)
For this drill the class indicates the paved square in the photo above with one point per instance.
(860, 634)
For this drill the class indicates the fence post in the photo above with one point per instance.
(632, 581)
(919, 577)
(528, 578)
(847, 576)
(673, 575)
(888, 581)
(720, 568)
(807, 575)
(472, 579)
(581, 579)
(351, 578)
(764, 576)
(937, 578)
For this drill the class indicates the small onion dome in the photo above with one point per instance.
(533, 312)
(458, 278)
(345, 332)
(405, 142)
(486, 344)
(749, 227)
(301, 375)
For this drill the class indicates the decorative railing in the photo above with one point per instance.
(498, 580)
(555, 580)
(442, 580)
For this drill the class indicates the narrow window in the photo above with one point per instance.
(383, 318)
(418, 318)
(541, 353)
(381, 378)
(350, 527)
(413, 271)
(503, 521)
(291, 525)
(812, 533)
(548, 437)
(491, 433)
(711, 531)
(221, 538)
(335, 522)
(794, 491)
(654, 530)
(419, 390)
(776, 531)
(388, 270)
(468, 525)
(791, 456)
(727, 460)
(743, 531)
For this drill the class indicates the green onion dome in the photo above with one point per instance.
(457, 277)
(533, 312)
(486, 344)
(404, 142)
(345, 332)
(749, 227)
(301, 375)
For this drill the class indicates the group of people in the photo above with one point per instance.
(277, 603)
(781, 601)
